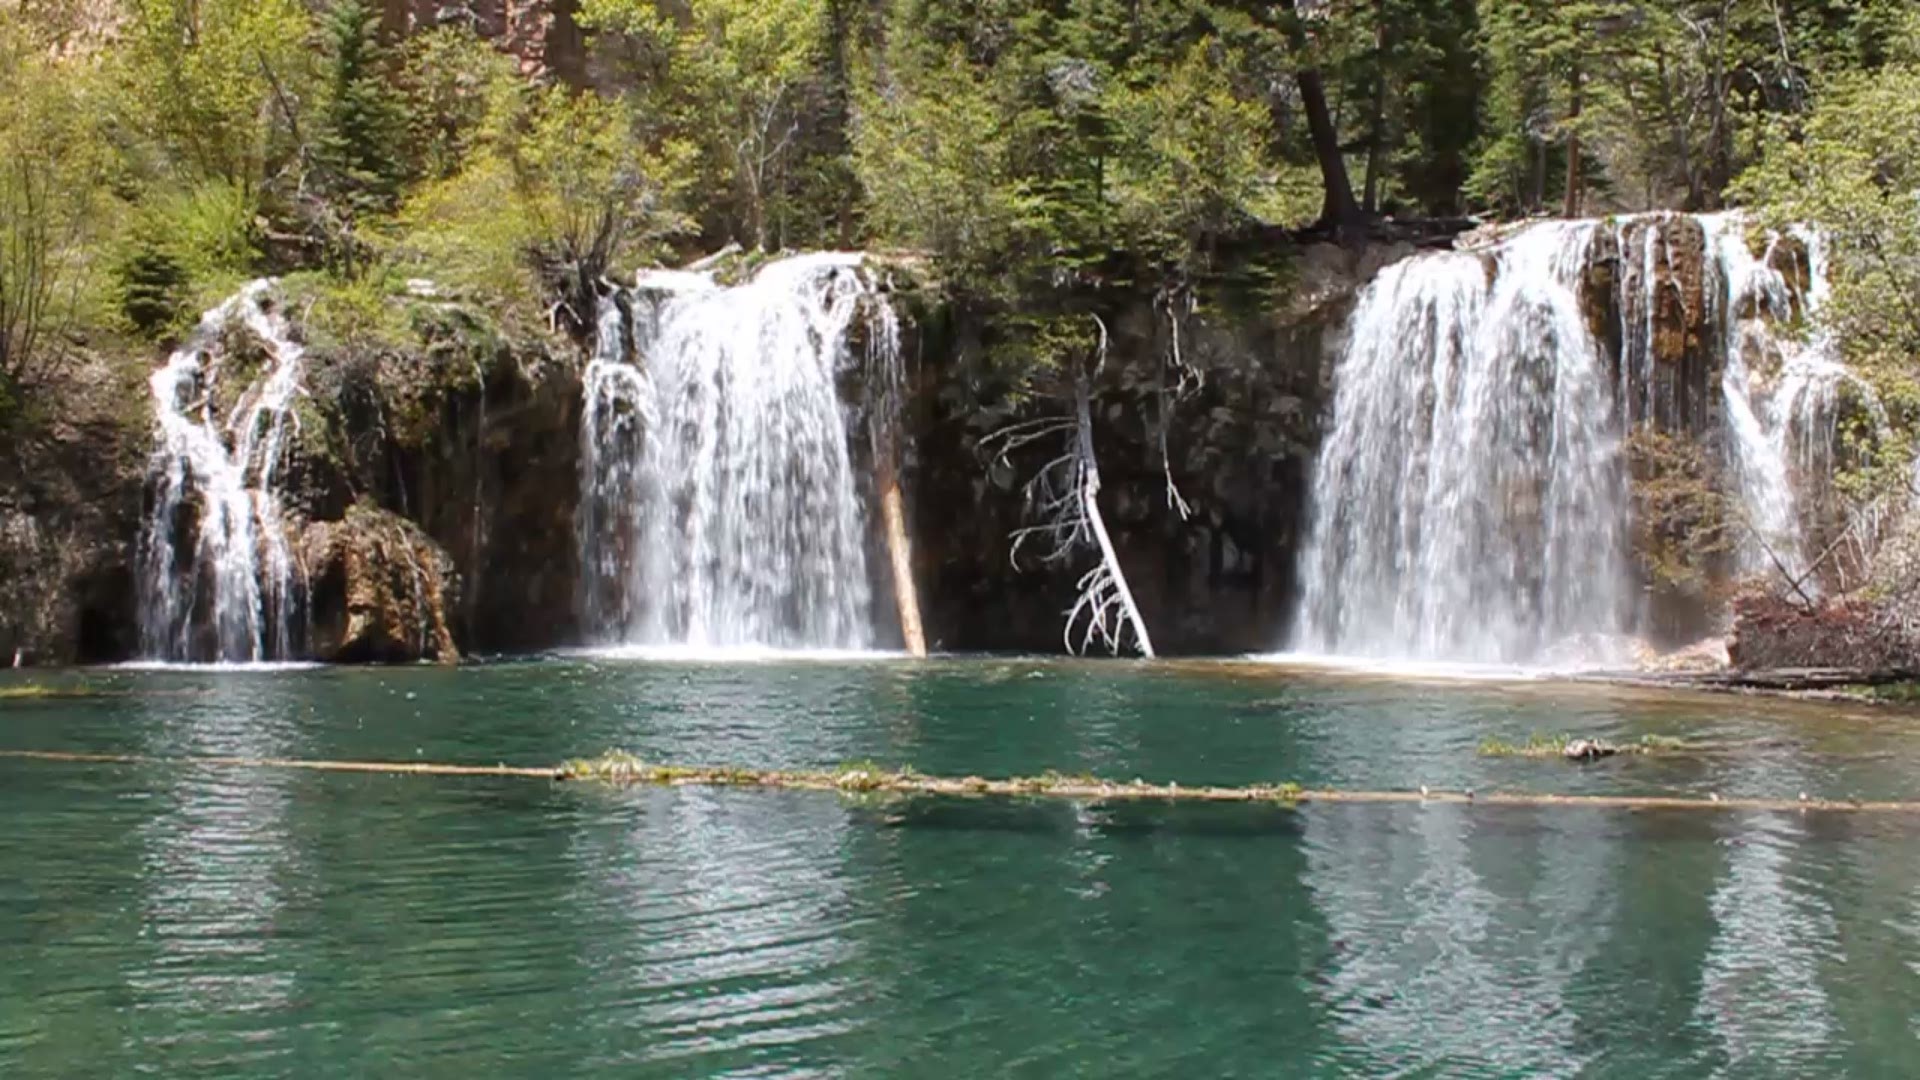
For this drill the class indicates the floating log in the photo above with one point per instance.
(622, 769)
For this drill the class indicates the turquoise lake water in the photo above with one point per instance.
(194, 921)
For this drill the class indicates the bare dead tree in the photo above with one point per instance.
(1186, 380)
(1064, 498)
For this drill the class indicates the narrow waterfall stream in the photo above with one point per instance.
(218, 580)
(1470, 500)
(1784, 392)
(719, 504)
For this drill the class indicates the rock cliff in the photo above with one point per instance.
(433, 482)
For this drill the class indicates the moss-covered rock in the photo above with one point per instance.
(378, 590)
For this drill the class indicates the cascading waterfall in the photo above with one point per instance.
(218, 577)
(719, 506)
(1784, 392)
(1468, 497)
(1470, 500)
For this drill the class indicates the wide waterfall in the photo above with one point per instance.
(719, 506)
(1471, 500)
(217, 576)
(1468, 496)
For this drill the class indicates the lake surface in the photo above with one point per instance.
(198, 921)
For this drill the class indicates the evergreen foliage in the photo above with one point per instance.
(1041, 154)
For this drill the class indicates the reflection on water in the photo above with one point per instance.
(1501, 913)
(1762, 994)
(188, 921)
(216, 860)
(729, 929)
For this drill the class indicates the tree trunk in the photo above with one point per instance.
(1573, 146)
(1337, 209)
(1720, 151)
(900, 554)
(1539, 193)
(1376, 133)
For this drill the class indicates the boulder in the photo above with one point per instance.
(378, 591)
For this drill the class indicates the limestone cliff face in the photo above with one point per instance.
(542, 34)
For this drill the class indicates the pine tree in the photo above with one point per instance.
(358, 151)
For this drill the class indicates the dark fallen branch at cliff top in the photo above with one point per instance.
(625, 770)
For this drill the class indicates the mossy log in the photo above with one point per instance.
(622, 769)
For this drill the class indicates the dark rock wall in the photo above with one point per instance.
(1240, 432)
(70, 483)
(475, 439)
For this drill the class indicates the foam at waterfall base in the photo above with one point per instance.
(240, 667)
(730, 654)
(1433, 670)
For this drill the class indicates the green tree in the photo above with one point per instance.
(54, 163)
(210, 82)
(358, 161)
(558, 193)
(1188, 158)
(936, 164)
(737, 76)
(1850, 167)
(455, 82)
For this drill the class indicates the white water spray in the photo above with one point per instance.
(217, 575)
(719, 506)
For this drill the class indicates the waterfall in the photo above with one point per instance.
(719, 506)
(1785, 390)
(1468, 497)
(217, 575)
(1470, 500)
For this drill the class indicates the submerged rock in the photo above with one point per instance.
(379, 590)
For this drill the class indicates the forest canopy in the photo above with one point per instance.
(156, 152)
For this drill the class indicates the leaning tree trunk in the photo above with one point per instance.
(900, 557)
